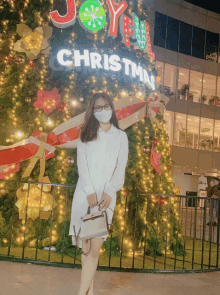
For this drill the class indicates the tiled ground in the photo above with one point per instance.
(27, 279)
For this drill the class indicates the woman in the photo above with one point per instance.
(102, 154)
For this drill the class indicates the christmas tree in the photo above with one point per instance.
(40, 90)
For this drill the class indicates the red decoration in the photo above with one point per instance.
(31, 63)
(61, 106)
(11, 57)
(67, 20)
(47, 100)
(126, 22)
(149, 48)
(168, 167)
(155, 159)
(161, 200)
(115, 12)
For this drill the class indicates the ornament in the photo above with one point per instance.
(39, 203)
(31, 63)
(113, 77)
(147, 137)
(33, 42)
(88, 37)
(47, 100)
(19, 59)
(70, 161)
(168, 167)
(132, 170)
(61, 106)
(8, 140)
(138, 53)
(92, 15)
(11, 57)
(146, 149)
(87, 81)
(28, 99)
(161, 200)
(81, 99)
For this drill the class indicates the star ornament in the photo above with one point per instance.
(34, 42)
(47, 100)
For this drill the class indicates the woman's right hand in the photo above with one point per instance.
(92, 199)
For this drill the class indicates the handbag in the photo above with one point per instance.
(93, 225)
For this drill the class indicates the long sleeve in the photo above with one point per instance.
(83, 169)
(118, 177)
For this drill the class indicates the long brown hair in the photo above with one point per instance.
(89, 129)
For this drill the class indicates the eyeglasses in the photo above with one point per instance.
(100, 108)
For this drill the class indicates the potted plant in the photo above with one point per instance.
(212, 99)
(183, 91)
(204, 98)
(191, 96)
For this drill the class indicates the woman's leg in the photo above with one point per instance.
(90, 265)
(85, 248)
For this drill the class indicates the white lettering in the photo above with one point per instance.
(106, 63)
(78, 57)
(113, 60)
(137, 70)
(60, 57)
(95, 60)
(127, 63)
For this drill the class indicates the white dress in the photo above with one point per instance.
(101, 167)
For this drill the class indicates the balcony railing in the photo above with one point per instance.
(36, 239)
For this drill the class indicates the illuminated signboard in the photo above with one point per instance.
(92, 18)
(110, 63)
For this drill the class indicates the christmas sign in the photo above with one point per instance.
(94, 61)
(92, 18)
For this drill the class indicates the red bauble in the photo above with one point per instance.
(61, 107)
(125, 193)
(11, 57)
(161, 200)
(31, 63)
(168, 167)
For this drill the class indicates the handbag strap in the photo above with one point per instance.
(77, 242)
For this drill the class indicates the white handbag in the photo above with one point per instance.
(93, 225)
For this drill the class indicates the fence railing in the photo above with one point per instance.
(160, 232)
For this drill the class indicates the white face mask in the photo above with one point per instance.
(103, 116)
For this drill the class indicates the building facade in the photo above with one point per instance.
(185, 40)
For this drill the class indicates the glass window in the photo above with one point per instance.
(180, 130)
(209, 89)
(195, 86)
(216, 143)
(169, 118)
(183, 83)
(170, 77)
(206, 134)
(192, 136)
(198, 42)
(211, 49)
(160, 29)
(172, 34)
(185, 38)
(159, 66)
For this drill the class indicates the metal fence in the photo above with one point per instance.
(198, 222)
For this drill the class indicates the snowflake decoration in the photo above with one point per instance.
(92, 15)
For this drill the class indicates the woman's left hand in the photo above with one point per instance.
(106, 199)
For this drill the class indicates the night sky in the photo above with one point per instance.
(209, 5)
